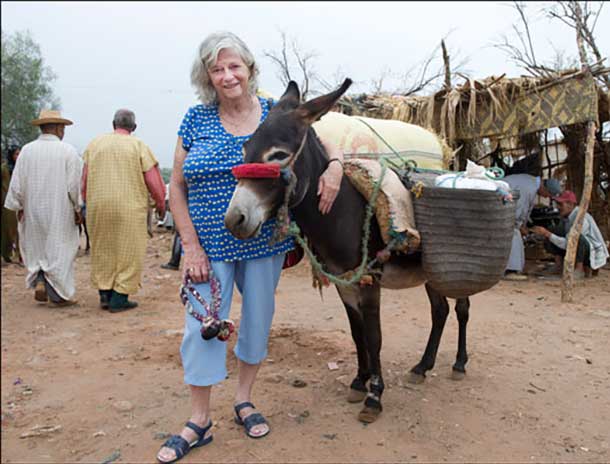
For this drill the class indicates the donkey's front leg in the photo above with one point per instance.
(440, 311)
(369, 307)
(462, 307)
(358, 389)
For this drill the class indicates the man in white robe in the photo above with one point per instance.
(44, 190)
(528, 187)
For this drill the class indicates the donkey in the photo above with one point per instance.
(286, 137)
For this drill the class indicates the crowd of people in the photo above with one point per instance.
(47, 191)
(50, 186)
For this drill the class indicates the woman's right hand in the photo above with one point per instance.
(196, 264)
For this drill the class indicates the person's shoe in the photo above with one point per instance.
(40, 292)
(105, 296)
(514, 276)
(170, 266)
(119, 303)
(181, 447)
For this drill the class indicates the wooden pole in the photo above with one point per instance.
(447, 66)
(452, 143)
(567, 283)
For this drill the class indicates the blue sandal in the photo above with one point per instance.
(250, 421)
(182, 447)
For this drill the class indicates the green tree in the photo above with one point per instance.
(26, 88)
(166, 173)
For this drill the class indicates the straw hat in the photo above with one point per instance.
(50, 117)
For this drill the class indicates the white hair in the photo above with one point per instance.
(206, 58)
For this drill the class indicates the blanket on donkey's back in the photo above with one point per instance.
(357, 140)
(394, 209)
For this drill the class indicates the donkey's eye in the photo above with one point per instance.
(278, 156)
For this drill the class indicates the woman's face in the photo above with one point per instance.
(229, 75)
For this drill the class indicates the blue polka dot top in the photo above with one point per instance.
(212, 152)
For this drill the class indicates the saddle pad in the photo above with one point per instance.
(394, 209)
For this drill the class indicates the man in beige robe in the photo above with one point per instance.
(120, 171)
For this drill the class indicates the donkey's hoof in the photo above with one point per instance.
(416, 378)
(368, 415)
(457, 375)
(356, 396)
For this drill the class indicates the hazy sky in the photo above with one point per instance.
(138, 55)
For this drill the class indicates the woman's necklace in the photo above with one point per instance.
(239, 123)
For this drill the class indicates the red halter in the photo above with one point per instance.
(256, 171)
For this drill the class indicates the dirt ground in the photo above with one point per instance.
(83, 385)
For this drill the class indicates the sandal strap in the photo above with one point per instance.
(254, 419)
(178, 444)
(240, 406)
(200, 431)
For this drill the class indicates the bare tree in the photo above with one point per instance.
(582, 17)
(292, 61)
(378, 81)
(561, 59)
(422, 75)
(280, 60)
(579, 15)
(426, 74)
(523, 53)
(331, 83)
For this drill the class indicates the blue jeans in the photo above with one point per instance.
(204, 361)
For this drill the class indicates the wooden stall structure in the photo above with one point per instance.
(485, 119)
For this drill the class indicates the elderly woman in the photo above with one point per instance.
(209, 144)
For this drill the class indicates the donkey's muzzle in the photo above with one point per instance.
(237, 223)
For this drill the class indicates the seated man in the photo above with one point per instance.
(591, 252)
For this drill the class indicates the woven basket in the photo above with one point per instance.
(466, 238)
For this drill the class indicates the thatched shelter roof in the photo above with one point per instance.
(495, 106)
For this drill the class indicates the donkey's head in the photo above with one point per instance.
(281, 140)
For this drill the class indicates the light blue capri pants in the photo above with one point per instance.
(204, 361)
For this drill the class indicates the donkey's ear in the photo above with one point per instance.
(292, 95)
(314, 109)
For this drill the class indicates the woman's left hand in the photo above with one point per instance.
(328, 186)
